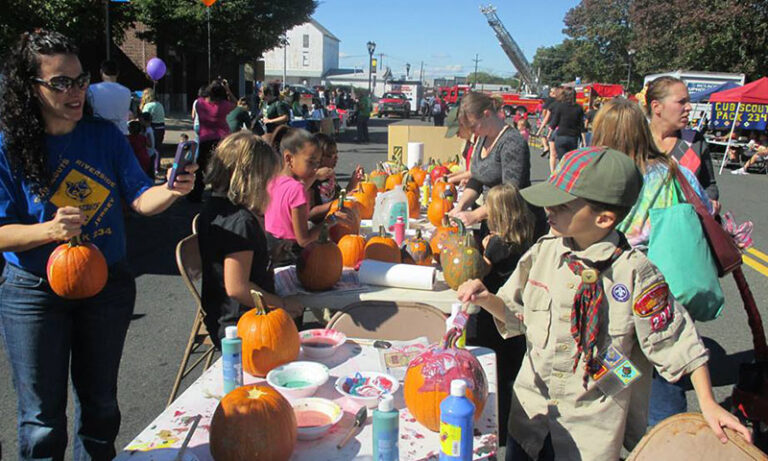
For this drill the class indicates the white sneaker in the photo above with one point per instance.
(739, 171)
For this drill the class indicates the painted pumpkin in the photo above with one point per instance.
(442, 186)
(429, 375)
(352, 249)
(338, 230)
(438, 172)
(454, 240)
(439, 238)
(418, 174)
(269, 336)
(417, 250)
(463, 263)
(76, 270)
(382, 248)
(253, 423)
(438, 208)
(379, 177)
(320, 264)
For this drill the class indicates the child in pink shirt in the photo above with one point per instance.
(287, 216)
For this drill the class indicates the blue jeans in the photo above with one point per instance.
(667, 399)
(515, 452)
(46, 337)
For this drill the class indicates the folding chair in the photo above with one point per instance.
(399, 321)
(191, 269)
(687, 436)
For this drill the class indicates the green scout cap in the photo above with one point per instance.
(452, 122)
(594, 173)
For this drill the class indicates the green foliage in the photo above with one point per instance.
(240, 29)
(485, 77)
(80, 20)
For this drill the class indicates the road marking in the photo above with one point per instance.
(755, 265)
(758, 253)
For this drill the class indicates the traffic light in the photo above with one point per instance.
(373, 65)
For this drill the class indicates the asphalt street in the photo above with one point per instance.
(164, 308)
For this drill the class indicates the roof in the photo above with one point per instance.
(752, 93)
(323, 30)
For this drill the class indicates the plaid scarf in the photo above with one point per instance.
(585, 315)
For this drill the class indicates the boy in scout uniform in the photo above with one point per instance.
(598, 318)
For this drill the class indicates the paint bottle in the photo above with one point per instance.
(399, 231)
(456, 319)
(386, 420)
(231, 359)
(456, 424)
(426, 191)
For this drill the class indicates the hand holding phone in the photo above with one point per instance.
(185, 155)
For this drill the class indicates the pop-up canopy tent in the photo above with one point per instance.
(754, 93)
(704, 95)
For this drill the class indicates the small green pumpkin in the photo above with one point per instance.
(465, 262)
(417, 251)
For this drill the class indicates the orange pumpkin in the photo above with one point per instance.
(253, 422)
(365, 205)
(463, 263)
(320, 264)
(413, 194)
(352, 249)
(429, 375)
(442, 186)
(76, 270)
(379, 178)
(393, 180)
(418, 174)
(338, 230)
(270, 338)
(417, 251)
(382, 248)
(443, 232)
(438, 208)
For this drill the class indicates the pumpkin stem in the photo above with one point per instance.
(342, 197)
(258, 302)
(418, 234)
(75, 241)
(382, 231)
(460, 224)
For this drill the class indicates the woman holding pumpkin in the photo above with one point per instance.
(233, 246)
(64, 176)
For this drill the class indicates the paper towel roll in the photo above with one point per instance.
(397, 275)
(415, 154)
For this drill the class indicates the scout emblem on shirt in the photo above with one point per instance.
(626, 372)
(660, 320)
(81, 191)
(653, 300)
(613, 371)
(620, 292)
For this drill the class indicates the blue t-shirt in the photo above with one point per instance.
(93, 168)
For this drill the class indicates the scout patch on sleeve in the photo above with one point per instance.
(620, 293)
(661, 319)
(653, 300)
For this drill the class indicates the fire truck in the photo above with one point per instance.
(587, 93)
(511, 100)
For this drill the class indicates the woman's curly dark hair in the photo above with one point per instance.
(21, 121)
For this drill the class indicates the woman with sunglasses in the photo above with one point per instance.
(64, 176)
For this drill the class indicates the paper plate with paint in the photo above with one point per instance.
(298, 379)
(320, 343)
(316, 416)
(366, 387)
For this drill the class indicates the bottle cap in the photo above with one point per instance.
(400, 219)
(230, 332)
(458, 387)
(387, 403)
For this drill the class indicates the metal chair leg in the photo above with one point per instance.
(191, 346)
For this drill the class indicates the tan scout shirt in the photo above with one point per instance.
(548, 396)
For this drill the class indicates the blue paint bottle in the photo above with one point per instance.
(231, 360)
(457, 414)
(386, 421)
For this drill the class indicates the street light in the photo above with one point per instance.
(407, 70)
(371, 49)
(630, 53)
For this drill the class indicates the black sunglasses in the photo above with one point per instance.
(62, 83)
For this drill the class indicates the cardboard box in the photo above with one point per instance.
(436, 145)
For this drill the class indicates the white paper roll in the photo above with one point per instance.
(397, 275)
(415, 154)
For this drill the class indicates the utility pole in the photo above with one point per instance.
(477, 59)
(106, 21)
(421, 72)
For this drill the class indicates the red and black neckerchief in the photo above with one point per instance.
(585, 315)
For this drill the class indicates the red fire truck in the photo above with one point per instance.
(511, 101)
(587, 93)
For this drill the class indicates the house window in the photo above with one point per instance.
(306, 40)
(305, 58)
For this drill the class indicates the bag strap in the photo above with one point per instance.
(690, 195)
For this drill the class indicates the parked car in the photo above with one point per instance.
(394, 102)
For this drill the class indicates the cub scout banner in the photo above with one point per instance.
(751, 116)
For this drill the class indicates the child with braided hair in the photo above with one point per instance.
(598, 319)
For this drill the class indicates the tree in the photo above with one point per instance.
(240, 29)
(80, 20)
(708, 35)
(485, 77)
(553, 63)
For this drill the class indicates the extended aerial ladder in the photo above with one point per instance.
(511, 48)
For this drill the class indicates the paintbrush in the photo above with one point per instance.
(360, 417)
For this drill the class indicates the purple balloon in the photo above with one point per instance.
(156, 68)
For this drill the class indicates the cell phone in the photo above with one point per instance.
(185, 154)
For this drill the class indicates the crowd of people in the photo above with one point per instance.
(570, 291)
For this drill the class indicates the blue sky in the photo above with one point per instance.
(446, 35)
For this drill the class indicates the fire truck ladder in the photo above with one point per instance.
(511, 48)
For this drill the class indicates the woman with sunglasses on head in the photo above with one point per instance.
(64, 176)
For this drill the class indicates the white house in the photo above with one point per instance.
(312, 51)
